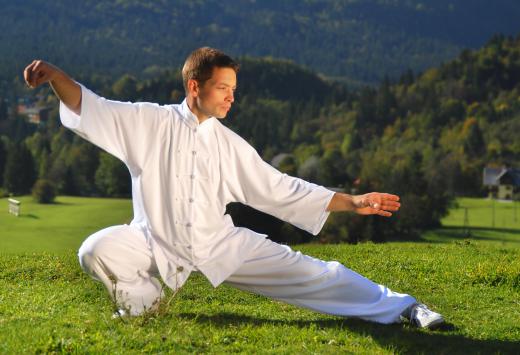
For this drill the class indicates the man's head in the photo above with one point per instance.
(209, 78)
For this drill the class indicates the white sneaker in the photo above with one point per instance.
(120, 313)
(422, 317)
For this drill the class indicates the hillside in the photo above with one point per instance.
(360, 41)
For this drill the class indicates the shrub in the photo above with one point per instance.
(43, 191)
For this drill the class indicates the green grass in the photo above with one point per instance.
(480, 214)
(48, 305)
(58, 227)
(504, 231)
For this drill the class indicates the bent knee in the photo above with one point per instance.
(87, 263)
(97, 247)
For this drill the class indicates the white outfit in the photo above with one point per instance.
(183, 176)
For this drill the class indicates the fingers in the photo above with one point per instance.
(389, 197)
(373, 211)
(30, 74)
(36, 73)
(40, 74)
(384, 213)
(381, 204)
(390, 205)
(386, 209)
(27, 73)
(383, 201)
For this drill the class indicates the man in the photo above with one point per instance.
(185, 168)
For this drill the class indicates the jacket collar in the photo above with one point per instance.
(189, 117)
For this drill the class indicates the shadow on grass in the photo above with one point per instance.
(29, 215)
(61, 203)
(486, 229)
(401, 337)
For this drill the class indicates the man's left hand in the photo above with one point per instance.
(382, 204)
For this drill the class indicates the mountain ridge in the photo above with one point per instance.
(358, 41)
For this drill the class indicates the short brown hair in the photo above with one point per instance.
(200, 63)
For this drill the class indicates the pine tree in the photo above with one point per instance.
(112, 177)
(19, 174)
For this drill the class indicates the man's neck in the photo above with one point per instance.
(192, 105)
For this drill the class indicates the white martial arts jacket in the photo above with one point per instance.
(183, 176)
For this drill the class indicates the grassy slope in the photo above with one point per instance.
(47, 304)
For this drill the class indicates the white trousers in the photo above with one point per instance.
(272, 270)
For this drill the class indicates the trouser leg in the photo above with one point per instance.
(278, 272)
(119, 257)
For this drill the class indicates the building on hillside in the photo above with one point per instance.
(502, 183)
(35, 114)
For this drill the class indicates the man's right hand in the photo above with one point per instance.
(39, 72)
(66, 89)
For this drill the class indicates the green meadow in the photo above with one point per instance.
(48, 305)
(58, 227)
(480, 220)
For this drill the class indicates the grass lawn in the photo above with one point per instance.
(47, 304)
(58, 227)
(480, 214)
(502, 229)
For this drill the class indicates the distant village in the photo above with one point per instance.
(31, 107)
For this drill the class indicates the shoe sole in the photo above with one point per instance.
(434, 324)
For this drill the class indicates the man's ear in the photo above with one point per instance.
(193, 88)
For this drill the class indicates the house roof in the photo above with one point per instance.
(496, 176)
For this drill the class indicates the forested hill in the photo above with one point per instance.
(358, 40)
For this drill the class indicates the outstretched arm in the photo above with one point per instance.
(382, 204)
(129, 131)
(66, 89)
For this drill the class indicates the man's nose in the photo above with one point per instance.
(231, 96)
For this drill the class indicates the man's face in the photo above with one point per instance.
(215, 96)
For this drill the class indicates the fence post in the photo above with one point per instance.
(514, 209)
(493, 212)
(465, 230)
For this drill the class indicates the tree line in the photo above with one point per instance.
(357, 40)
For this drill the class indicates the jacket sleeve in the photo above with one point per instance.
(123, 129)
(254, 182)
